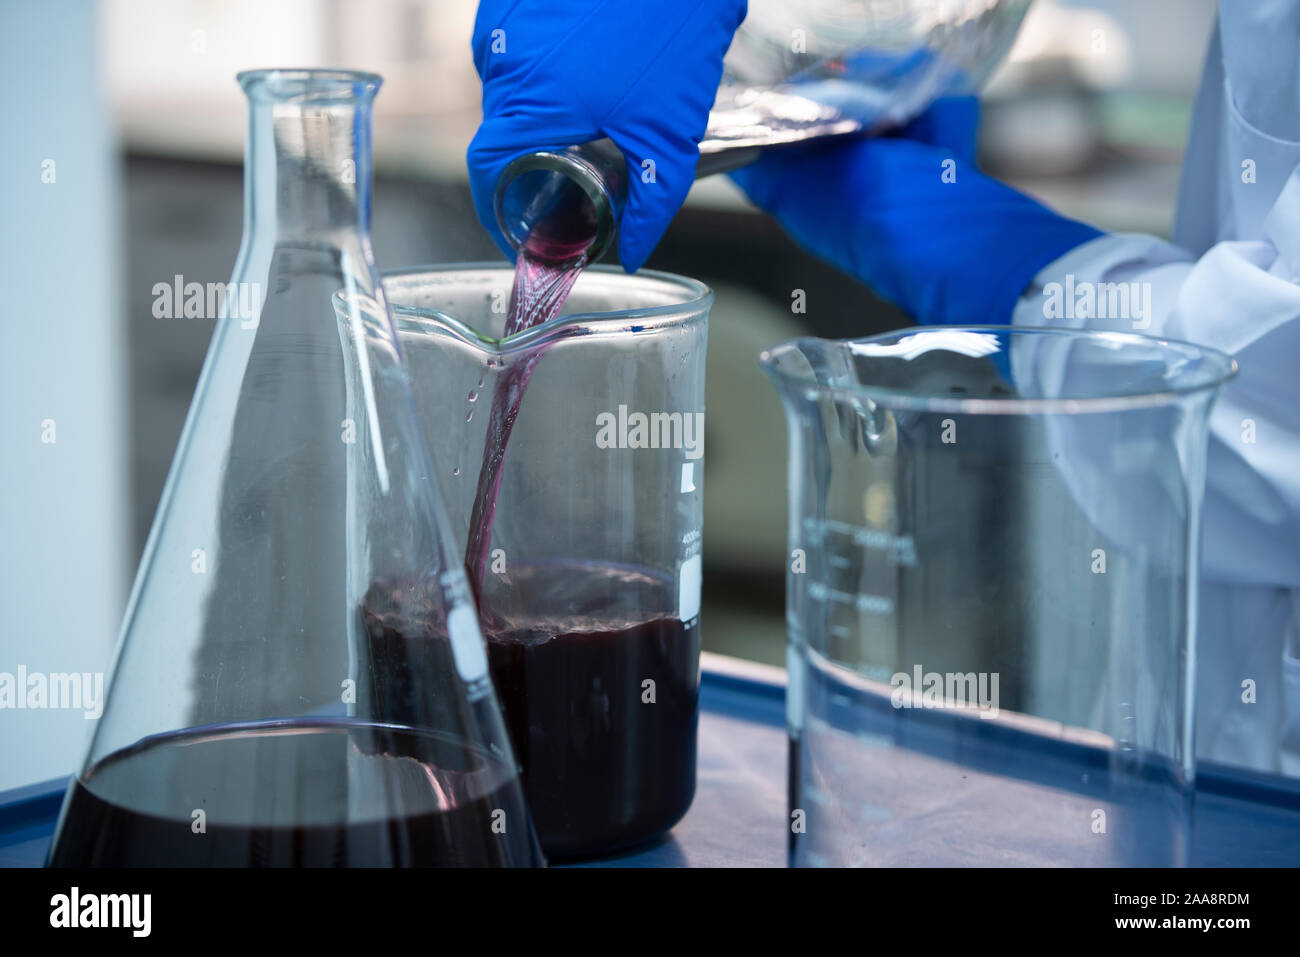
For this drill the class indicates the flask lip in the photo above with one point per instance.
(1194, 370)
(308, 85)
(573, 165)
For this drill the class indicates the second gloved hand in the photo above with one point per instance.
(560, 72)
(911, 216)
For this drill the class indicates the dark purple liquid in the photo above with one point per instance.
(604, 768)
(324, 794)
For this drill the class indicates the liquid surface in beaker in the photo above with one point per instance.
(272, 796)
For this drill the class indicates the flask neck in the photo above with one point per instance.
(571, 199)
(308, 155)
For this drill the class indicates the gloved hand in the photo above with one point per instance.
(911, 216)
(560, 72)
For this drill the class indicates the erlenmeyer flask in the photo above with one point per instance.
(300, 678)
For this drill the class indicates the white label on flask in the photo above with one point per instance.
(467, 643)
(689, 579)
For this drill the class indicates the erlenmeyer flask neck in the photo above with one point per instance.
(308, 154)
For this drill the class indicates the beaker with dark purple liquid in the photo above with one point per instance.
(588, 574)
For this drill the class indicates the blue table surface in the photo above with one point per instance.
(738, 818)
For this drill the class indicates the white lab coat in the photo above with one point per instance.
(1231, 280)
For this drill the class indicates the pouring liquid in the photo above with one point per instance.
(541, 287)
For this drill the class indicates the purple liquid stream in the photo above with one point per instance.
(540, 289)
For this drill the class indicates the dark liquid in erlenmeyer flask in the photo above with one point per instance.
(320, 794)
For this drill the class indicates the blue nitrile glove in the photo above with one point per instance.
(911, 216)
(560, 72)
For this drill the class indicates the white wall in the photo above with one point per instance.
(63, 504)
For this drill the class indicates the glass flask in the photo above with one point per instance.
(795, 72)
(588, 576)
(300, 678)
(990, 595)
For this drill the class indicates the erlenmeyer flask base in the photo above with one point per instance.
(269, 796)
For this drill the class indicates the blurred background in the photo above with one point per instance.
(123, 169)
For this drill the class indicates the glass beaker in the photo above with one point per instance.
(990, 594)
(300, 678)
(589, 576)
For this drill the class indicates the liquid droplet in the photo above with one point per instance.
(456, 470)
(473, 395)
(470, 416)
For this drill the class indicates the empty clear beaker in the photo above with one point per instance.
(570, 457)
(300, 678)
(991, 593)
